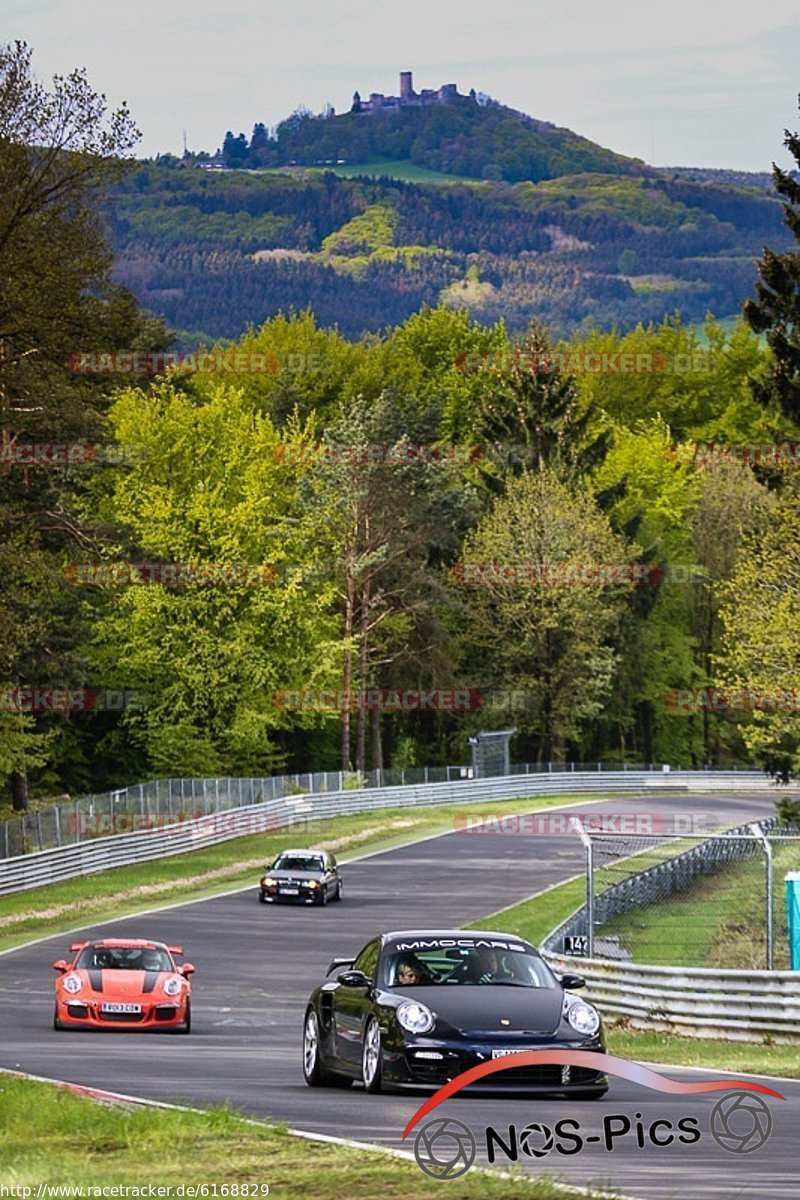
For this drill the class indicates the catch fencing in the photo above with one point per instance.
(161, 802)
(687, 941)
(236, 807)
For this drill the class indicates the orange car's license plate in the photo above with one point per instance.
(122, 1008)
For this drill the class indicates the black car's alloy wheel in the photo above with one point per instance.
(315, 1074)
(371, 1057)
(323, 896)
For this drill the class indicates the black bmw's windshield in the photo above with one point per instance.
(421, 963)
(297, 862)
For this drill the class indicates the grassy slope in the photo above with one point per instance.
(51, 1136)
(718, 922)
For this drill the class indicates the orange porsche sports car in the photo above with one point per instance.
(123, 983)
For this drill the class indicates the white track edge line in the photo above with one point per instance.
(330, 1139)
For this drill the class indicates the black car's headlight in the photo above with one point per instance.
(582, 1017)
(415, 1017)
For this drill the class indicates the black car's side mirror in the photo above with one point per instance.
(572, 982)
(354, 979)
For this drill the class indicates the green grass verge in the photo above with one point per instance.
(53, 1137)
(719, 921)
(125, 891)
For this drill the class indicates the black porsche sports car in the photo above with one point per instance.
(415, 1008)
(301, 877)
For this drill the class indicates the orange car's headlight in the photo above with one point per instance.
(72, 984)
(173, 986)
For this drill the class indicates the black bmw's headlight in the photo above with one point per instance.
(415, 1017)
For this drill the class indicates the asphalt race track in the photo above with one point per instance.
(257, 965)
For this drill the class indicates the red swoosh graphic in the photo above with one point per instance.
(608, 1063)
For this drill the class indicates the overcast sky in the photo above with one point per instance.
(686, 82)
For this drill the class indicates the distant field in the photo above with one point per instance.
(400, 168)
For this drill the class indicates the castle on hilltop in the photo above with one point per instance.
(408, 98)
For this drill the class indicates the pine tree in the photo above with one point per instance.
(776, 310)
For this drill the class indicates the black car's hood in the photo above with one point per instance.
(491, 1008)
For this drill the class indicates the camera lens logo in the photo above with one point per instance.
(740, 1122)
(529, 1136)
(444, 1148)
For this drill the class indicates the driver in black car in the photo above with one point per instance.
(485, 968)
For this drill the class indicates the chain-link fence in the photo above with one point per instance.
(162, 802)
(685, 899)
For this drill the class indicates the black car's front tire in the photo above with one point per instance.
(322, 899)
(316, 1075)
(371, 1057)
(338, 895)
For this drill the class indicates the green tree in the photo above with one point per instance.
(212, 489)
(59, 150)
(775, 311)
(760, 618)
(548, 637)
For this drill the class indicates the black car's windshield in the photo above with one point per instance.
(124, 958)
(421, 963)
(297, 862)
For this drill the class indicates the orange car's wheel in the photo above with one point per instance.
(187, 1025)
(56, 1023)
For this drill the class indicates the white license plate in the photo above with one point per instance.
(290, 891)
(122, 1008)
(503, 1053)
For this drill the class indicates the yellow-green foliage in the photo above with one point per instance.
(367, 238)
(621, 196)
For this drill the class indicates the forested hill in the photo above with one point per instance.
(213, 251)
(459, 137)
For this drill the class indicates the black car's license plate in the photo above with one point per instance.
(290, 891)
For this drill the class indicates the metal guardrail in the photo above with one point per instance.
(693, 1001)
(160, 801)
(103, 853)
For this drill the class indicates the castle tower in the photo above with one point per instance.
(406, 85)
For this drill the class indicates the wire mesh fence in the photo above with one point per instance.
(685, 899)
(162, 802)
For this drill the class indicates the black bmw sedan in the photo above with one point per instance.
(301, 877)
(416, 1008)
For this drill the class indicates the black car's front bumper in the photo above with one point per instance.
(429, 1063)
(303, 896)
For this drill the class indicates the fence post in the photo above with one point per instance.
(765, 842)
(586, 841)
